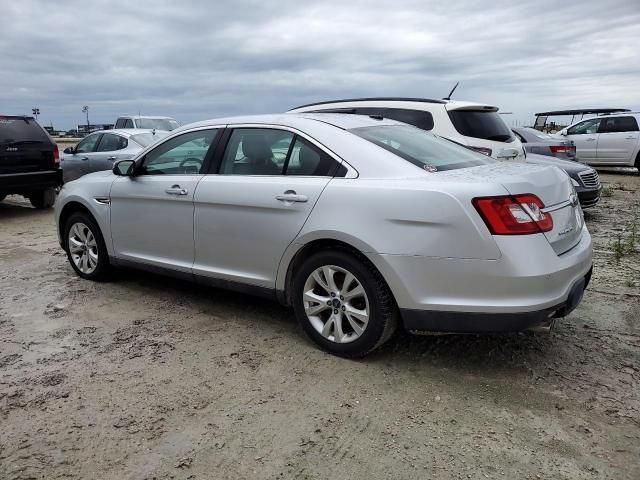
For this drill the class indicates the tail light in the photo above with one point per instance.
(513, 214)
(56, 155)
(560, 148)
(482, 150)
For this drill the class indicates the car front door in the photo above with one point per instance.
(107, 152)
(152, 211)
(76, 163)
(248, 212)
(585, 136)
(617, 140)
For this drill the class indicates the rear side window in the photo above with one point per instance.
(618, 124)
(417, 118)
(307, 160)
(120, 123)
(110, 142)
(128, 123)
(423, 149)
(20, 129)
(481, 124)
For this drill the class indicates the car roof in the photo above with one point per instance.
(296, 120)
(448, 104)
(146, 116)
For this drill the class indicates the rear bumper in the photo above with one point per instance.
(588, 196)
(479, 322)
(11, 183)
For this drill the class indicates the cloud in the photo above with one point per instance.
(201, 59)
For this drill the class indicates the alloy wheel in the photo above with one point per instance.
(83, 248)
(336, 304)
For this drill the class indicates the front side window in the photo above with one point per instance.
(485, 125)
(421, 148)
(110, 142)
(181, 155)
(585, 128)
(88, 143)
(618, 124)
(128, 123)
(256, 151)
(120, 123)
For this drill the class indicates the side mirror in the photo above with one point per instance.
(563, 132)
(69, 150)
(124, 168)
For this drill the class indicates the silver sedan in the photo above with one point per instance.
(99, 150)
(358, 223)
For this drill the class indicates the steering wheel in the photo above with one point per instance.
(190, 159)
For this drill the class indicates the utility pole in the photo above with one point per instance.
(85, 109)
(35, 111)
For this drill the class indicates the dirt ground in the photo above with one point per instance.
(147, 377)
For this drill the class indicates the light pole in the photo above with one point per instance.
(85, 109)
(36, 112)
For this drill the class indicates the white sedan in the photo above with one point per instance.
(359, 223)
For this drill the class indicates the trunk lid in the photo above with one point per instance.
(549, 183)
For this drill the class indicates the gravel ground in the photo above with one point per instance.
(148, 377)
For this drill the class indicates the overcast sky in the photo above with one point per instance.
(203, 59)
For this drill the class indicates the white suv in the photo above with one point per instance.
(608, 140)
(475, 125)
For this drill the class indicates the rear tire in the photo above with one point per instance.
(343, 303)
(43, 199)
(638, 163)
(85, 247)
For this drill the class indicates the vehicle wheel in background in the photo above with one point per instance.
(638, 162)
(43, 198)
(85, 247)
(343, 303)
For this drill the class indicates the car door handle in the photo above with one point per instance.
(590, 140)
(176, 190)
(291, 196)
(631, 138)
(111, 159)
(84, 159)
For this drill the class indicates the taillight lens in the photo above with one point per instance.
(513, 214)
(482, 150)
(559, 148)
(56, 154)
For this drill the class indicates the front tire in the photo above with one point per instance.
(343, 303)
(43, 199)
(85, 247)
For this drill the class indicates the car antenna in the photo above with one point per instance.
(153, 132)
(448, 97)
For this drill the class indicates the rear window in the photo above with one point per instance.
(157, 123)
(144, 139)
(21, 130)
(423, 149)
(481, 124)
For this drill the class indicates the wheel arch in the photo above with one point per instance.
(69, 209)
(310, 248)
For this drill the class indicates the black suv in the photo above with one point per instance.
(29, 161)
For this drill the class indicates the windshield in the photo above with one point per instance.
(481, 124)
(21, 130)
(423, 149)
(157, 123)
(145, 139)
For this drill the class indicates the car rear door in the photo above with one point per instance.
(76, 163)
(617, 140)
(247, 213)
(152, 211)
(585, 137)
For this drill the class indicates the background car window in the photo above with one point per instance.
(586, 127)
(481, 124)
(128, 123)
(417, 118)
(88, 143)
(307, 159)
(256, 151)
(618, 124)
(181, 155)
(120, 123)
(110, 142)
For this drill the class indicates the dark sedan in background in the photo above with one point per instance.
(541, 143)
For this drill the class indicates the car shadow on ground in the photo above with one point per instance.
(16, 209)
(490, 352)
